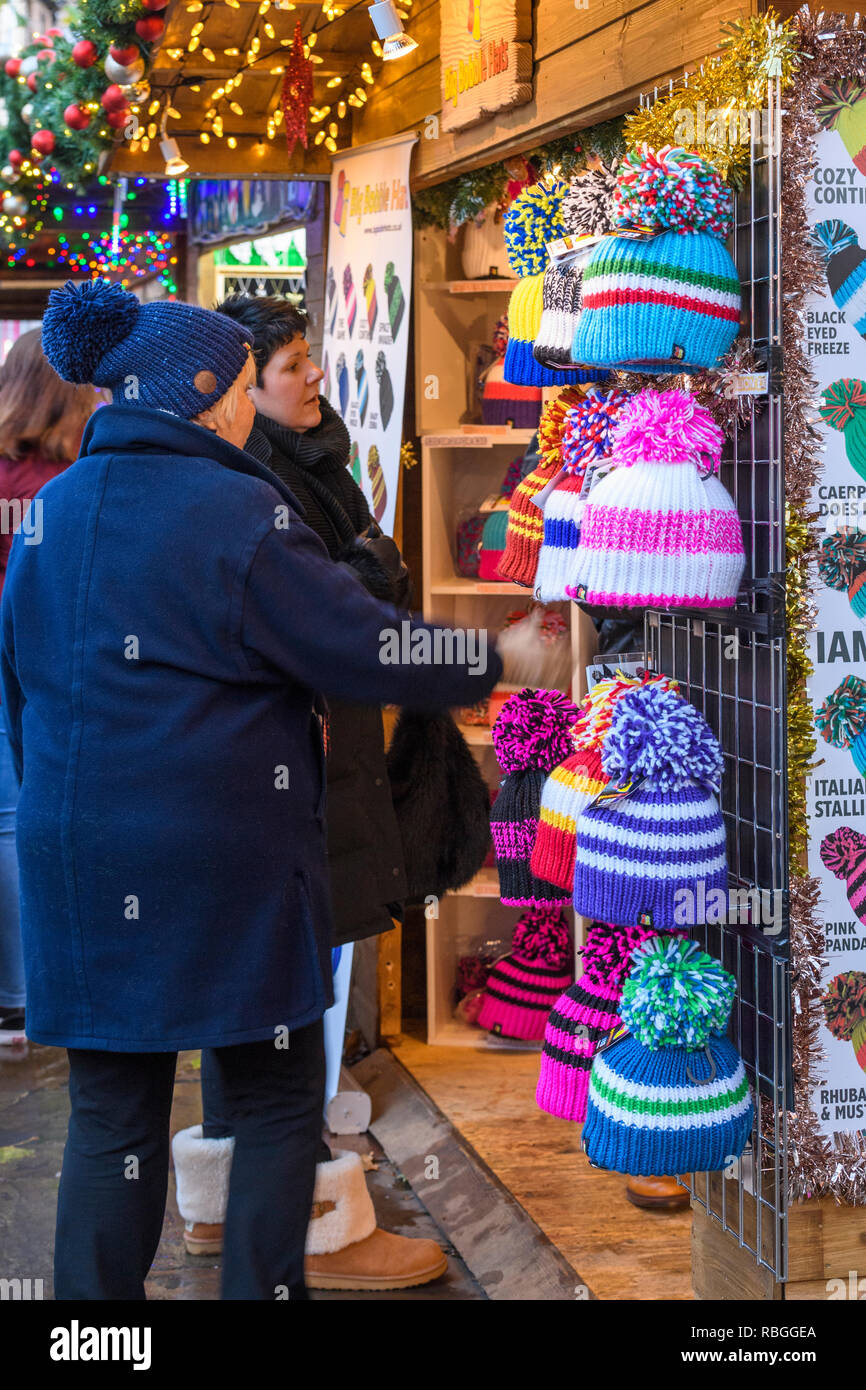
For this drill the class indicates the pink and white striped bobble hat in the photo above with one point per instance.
(657, 532)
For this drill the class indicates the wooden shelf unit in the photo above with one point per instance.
(462, 462)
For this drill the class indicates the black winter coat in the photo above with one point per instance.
(368, 878)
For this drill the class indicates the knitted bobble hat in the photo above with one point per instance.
(533, 219)
(560, 308)
(165, 355)
(492, 545)
(845, 1011)
(670, 303)
(843, 407)
(503, 402)
(842, 719)
(525, 308)
(386, 390)
(523, 985)
(653, 534)
(845, 267)
(655, 853)
(585, 437)
(842, 565)
(587, 208)
(843, 852)
(671, 1097)
(531, 736)
(581, 1018)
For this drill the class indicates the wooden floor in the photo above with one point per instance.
(620, 1251)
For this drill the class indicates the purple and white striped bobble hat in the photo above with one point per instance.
(642, 856)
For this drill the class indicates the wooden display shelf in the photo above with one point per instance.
(485, 884)
(487, 588)
(496, 284)
(476, 437)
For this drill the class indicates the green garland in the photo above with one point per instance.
(448, 205)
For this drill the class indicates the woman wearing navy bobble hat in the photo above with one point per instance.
(161, 710)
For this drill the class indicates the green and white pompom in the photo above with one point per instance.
(676, 995)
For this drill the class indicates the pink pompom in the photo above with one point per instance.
(533, 730)
(842, 851)
(666, 427)
(543, 937)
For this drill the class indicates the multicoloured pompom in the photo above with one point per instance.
(587, 208)
(587, 428)
(660, 738)
(842, 850)
(845, 1004)
(534, 219)
(533, 729)
(842, 717)
(666, 427)
(674, 190)
(676, 995)
(843, 558)
(543, 936)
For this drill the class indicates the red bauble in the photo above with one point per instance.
(76, 117)
(154, 4)
(46, 55)
(118, 117)
(114, 98)
(16, 158)
(54, 33)
(124, 56)
(12, 67)
(31, 82)
(84, 53)
(43, 141)
(150, 28)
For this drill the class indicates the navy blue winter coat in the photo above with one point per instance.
(158, 687)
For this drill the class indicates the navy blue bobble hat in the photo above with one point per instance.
(167, 355)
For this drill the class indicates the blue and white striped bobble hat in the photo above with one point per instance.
(652, 855)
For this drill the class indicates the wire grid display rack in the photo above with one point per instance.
(731, 666)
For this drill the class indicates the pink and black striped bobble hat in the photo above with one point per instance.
(581, 1018)
(654, 534)
(522, 986)
(843, 852)
(531, 736)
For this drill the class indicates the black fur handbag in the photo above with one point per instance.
(442, 803)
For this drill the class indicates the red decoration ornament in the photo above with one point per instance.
(31, 82)
(43, 142)
(154, 4)
(16, 158)
(118, 117)
(54, 33)
(114, 98)
(150, 28)
(84, 53)
(124, 56)
(76, 117)
(297, 92)
(46, 55)
(12, 67)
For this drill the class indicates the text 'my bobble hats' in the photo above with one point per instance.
(525, 521)
(843, 407)
(640, 853)
(587, 210)
(585, 439)
(581, 1018)
(672, 1096)
(842, 719)
(653, 533)
(178, 357)
(579, 779)
(843, 852)
(531, 735)
(842, 565)
(670, 302)
(534, 219)
(522, 986)
(845, 1011)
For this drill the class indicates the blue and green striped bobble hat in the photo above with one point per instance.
(842, 719)
(670, 1096)
(842, 565)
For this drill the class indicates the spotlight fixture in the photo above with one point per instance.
(175, 164)
(396, 43)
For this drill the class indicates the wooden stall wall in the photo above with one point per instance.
(590, 63)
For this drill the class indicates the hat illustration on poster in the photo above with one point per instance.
(843, 565)
(843, 407)
(332, 299)
(355, 462)
(842, 719)
(845, 1011)
(326, 379)
(363, 390)
(843, 109)
(396, 302)
(341, 201)
(386, 390)
(349, 296)
(343, 383)
(843, 852)
(845, 267)
(377, 483)
(370, 298)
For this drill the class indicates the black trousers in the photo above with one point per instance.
(216, 1121)
(114, 1180)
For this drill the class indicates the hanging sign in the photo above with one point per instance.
(221, 208)
(368, 290)
(485, 61)
(835, 341)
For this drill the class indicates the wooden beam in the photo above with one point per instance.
(217, 161)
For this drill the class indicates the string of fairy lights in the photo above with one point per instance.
(129, 257)
(351, 89)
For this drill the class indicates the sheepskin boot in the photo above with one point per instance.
(345, 1248)
(201, 1170)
